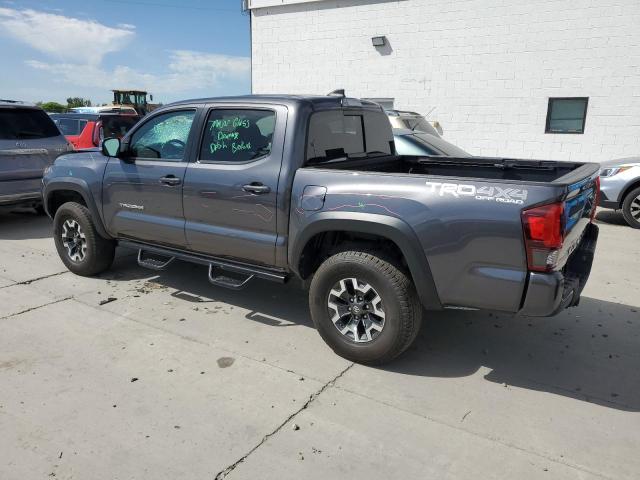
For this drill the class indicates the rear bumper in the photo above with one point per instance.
(606, 203)
(549, 293)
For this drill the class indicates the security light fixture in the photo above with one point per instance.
(379, 41)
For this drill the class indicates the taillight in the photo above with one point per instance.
(97, 133)
(596, 198)
(543, 234)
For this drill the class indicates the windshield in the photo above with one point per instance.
(133, 98)
(26, 124)
(424, 144)
(418, 124)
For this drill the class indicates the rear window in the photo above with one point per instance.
(337, 133)
(26, 124)
(117, 126)
(70, 126)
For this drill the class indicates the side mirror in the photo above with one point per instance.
(111, 147)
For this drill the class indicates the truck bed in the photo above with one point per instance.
(483, 168)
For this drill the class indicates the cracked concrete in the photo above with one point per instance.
(223, 376)
(288, 420)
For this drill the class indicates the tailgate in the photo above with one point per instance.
(578, 212)
(19, 161)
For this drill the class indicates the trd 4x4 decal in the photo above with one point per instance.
(492, 193)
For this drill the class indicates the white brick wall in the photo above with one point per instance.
(487, 66)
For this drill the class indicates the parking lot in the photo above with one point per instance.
(140, 374)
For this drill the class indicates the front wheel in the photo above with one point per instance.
(631, 208)
(365, 308)
(80, 246)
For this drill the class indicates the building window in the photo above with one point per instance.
(566, 115)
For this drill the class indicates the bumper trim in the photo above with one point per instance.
(549, 293)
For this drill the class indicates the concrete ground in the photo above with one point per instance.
(140, 375)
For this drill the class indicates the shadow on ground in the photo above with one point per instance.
(612, 217)
(589, 353)
(24, 224)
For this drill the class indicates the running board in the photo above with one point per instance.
(222, 280)
(153, 263)
(215, 265)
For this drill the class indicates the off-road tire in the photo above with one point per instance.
(99, 251)
(626, 207)
(403, 310)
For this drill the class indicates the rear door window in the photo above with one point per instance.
(237, 135)
(26, 124)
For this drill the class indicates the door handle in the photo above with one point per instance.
(170, 180)
(256, 187)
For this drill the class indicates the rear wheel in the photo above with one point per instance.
(80, 246)
(631, 208)
(364, 307)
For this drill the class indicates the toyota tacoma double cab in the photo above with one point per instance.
(311, 187)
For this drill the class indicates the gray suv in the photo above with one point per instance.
(29, 142)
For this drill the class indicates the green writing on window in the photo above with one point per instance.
(238, 135)
(227, 135)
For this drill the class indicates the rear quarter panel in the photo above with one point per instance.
(470, 231)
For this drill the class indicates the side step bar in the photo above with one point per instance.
(217, 266)
(153, 263)
(222, 280)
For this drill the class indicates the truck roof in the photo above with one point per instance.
(17, 103)
(317, 102)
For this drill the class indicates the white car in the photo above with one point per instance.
(620, 187)
(106, 109)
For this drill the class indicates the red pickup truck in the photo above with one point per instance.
(87, 130)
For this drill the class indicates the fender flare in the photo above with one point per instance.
(631, 184)
(391, 228)
(81, 187)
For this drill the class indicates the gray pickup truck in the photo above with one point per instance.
(283, 187)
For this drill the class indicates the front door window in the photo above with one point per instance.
(163, 137)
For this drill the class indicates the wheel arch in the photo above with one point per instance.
(393, 229)
(75, 186)
(627, 189)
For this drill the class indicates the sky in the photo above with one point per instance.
(174, 49)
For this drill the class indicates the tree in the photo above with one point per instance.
(73, 102)
(54, 107)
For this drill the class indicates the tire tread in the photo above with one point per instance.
(410, 306)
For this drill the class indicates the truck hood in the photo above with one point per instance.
(81, 157)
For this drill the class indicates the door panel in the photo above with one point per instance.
(230, 192)
(138, 205)
(142, 193)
